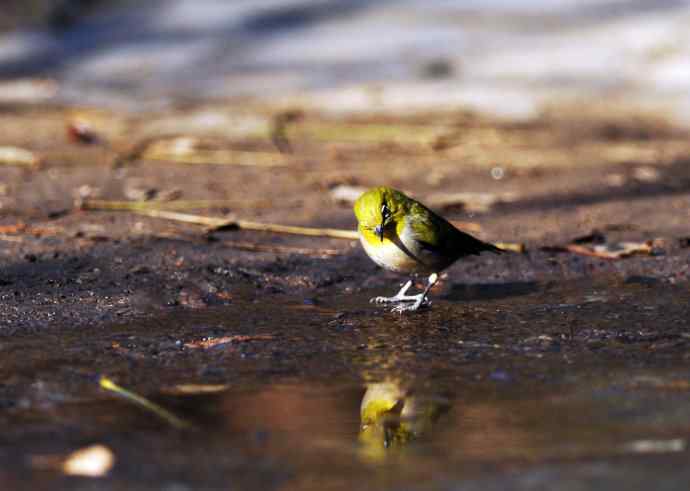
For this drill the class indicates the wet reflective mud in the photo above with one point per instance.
(582, 383)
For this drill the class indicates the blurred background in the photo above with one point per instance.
(506, 57)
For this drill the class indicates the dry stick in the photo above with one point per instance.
(369, 132)
(140, 401)
(220, 157)
(95, 204)
(214, 224)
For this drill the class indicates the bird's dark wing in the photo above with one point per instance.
(439, 236)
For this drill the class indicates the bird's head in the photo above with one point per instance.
(380, 207)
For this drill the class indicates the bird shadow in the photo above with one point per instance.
(490, 291)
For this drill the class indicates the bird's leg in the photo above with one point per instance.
(419, 299)
(399, 297)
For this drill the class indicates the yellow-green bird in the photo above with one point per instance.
(402, 235)
(393, 415)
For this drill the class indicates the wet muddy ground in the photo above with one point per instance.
(531, 370)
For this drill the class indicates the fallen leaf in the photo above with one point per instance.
(594, 244)
(613, 251)
(92, 461)
(13, 229)
(81, 130)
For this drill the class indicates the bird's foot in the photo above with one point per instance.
(399, 297)
(408, 303)
(395, 299)
(419, 301)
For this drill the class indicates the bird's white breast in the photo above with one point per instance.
(389, 255)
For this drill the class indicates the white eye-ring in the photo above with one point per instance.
(385, 211)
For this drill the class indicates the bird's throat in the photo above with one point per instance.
(391, 234)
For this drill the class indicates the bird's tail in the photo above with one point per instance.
(471, 245)
(492, 248)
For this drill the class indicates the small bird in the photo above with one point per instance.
(393, 414)
(402, 235)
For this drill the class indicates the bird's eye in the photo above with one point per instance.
(385, 212)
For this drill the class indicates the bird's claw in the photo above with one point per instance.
(407, 303)
(411, 307)
(395, 299)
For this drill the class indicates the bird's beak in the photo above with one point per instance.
(379, 231)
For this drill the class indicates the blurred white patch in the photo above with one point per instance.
(656, 446)
(93, 461)
(515, 55)
(497, 173)
(346, 194)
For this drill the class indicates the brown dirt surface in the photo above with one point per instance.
(624, 175)
(566, 361)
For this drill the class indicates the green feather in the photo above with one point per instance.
(438, 237)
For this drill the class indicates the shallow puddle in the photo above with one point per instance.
(491, 388)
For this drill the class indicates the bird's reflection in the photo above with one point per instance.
(393, 413)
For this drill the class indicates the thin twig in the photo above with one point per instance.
(215, 224)
(295, 230)
(107, 384)
(94, 204)
(368, 132)
(220, 157)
